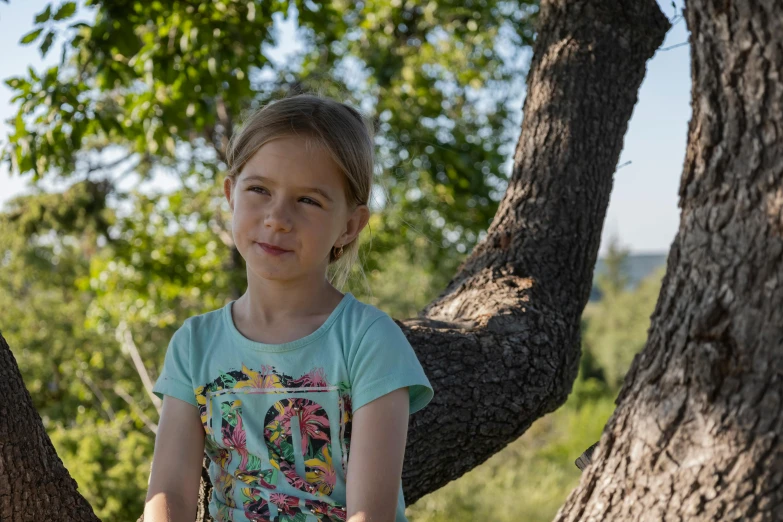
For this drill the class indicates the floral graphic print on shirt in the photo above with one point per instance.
(297, 435)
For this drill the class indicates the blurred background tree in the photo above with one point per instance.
(97, 270)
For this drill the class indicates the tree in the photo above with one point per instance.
(615, 278)
(501, 343)
(697, 429)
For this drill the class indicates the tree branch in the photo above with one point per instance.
(519, 296)
(125, 338)
(136, 409)
(101, 398)
(108, 166)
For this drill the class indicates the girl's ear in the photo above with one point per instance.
(356, 223)
(228, 189)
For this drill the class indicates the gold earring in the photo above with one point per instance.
(338, 253)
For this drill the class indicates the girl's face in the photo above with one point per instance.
(291, 196)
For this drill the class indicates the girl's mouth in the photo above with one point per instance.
(272, 250)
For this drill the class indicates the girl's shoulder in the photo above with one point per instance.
(360, 309)
(206, 321)
(361, 315)
(368, 323)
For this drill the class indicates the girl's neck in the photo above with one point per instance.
(268, 303)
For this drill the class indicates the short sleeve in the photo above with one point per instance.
(175, 379)
(383, 361)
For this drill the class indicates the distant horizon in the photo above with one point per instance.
(642, 210)
(641, 253)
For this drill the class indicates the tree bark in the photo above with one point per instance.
(697, 431)
(501, 343)
(34, 484)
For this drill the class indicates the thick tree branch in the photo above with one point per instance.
(522, 290)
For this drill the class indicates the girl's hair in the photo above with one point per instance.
(340, 129)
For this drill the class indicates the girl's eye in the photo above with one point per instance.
(309, 201)
(312, 202)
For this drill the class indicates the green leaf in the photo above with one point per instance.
(287, 450)
(269, 475)
(253, 462)
(14, 83)
(44, 15)
(47, 43)
(228, 380)
(66, 10)
(31, 36)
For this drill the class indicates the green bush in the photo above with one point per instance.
(110, 462)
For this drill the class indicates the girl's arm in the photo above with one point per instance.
(378, 436)
(176, 464)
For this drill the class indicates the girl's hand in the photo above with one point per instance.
(377, 449)
(176, 464)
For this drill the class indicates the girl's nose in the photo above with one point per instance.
(277, 217)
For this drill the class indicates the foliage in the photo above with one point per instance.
(618, 326)
(70, 369)
(615, 278)
(64, 297)
(159, 87)
(110, 463)
(400, 287)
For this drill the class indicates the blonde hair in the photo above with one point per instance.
(340, 129)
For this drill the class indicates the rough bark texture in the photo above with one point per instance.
(697, 432)
(507, 349)
(34, 484)
(501, 344)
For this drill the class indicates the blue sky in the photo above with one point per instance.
(643, 207)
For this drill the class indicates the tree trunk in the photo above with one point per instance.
(697, 431)
(34, 484)
(501, 344)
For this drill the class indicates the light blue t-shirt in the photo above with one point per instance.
(277, 417)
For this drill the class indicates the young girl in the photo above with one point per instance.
(299, 394)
